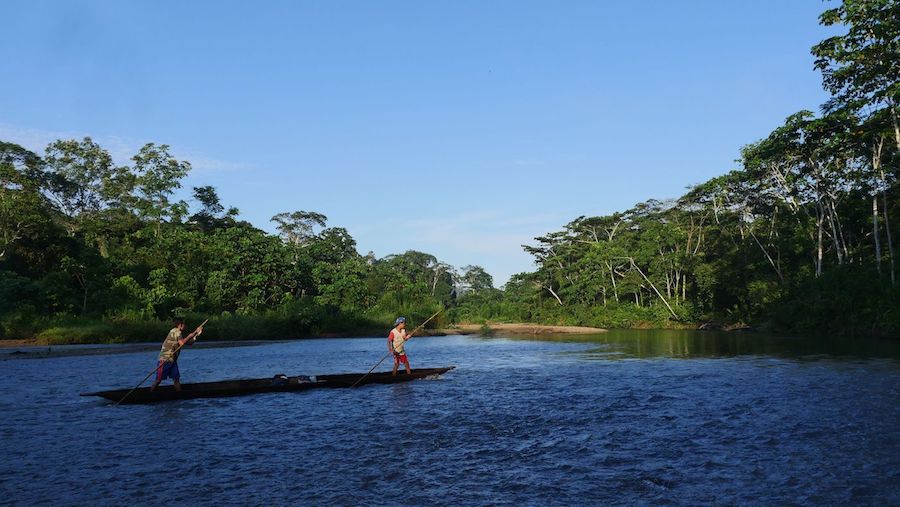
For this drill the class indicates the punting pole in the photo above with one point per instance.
(414, 331)
(133, 389)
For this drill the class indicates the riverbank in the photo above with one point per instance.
(78, 336)
(31, 349)
(517, 328)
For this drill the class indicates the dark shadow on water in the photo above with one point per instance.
(650, 343)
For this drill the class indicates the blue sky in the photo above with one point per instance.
(462, 129)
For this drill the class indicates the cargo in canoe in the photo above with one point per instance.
(276, 384)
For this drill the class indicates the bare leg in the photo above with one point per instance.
(408, 371)
(177, 384)
(158, 379)
(396, 365)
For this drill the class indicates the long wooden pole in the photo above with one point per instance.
(414, 331)
(175, 352)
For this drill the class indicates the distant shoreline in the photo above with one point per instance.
(519, 328)
(33, 349)
(38, 346)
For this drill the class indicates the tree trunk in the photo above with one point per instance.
(678, 282)
(550, 288)
(876, 164)
(840, 230)
(84, 298)
(834, 236)
(875, 233)
(893, 107)
(887, 229)
(654, 289)
(612, 276)
(775, 266)
(820, 225)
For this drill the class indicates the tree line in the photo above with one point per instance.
(86, 240)
(802, 235)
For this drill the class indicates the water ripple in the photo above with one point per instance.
(518, 423)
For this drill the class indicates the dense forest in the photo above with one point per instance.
(800, 237)
(90, 249)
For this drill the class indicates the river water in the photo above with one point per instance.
(654, 417)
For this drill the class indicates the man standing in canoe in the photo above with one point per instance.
(396, 339)
(168, 354)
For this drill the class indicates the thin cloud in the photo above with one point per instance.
(490, 238)
(120, 148)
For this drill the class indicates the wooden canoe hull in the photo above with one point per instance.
(257, 386)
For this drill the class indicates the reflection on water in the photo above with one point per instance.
(679, 343)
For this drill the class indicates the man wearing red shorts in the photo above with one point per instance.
(396, 339)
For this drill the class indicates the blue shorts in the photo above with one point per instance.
(166, 370)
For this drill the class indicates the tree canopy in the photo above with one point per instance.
(800, 234)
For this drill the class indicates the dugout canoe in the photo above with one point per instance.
(277, 384)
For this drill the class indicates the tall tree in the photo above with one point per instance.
(23, 210)
(84, 180)
(298, 227)
(159, 174)
(476, 279)
(212, 214)
(861, 68)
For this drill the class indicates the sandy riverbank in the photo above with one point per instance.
(519, 329)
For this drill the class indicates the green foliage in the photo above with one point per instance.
(813, 208)
(476, 279)
(801, 236)
(342, 285)
(124, 263)
(158, 175)
(298, 227)
(84, 179)
(846, 301)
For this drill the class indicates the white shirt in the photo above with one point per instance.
(398, 338)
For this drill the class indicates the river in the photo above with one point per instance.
(647, 417)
